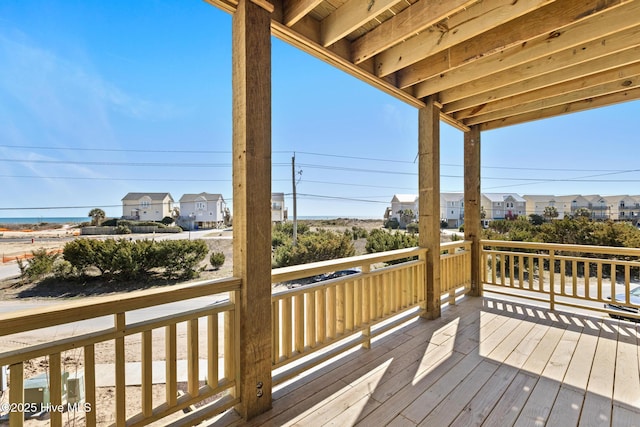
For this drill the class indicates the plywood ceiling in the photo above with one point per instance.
(491, 63)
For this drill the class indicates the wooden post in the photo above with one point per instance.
(429, 201)
(472, 199)
(252, 202)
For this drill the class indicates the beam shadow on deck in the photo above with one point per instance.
(485, 361)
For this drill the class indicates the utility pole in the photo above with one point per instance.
(295, 208)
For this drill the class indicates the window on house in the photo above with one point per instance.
(144, 204)
(201, 205)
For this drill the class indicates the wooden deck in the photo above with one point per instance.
(484, 362)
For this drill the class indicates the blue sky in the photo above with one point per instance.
(98, 99)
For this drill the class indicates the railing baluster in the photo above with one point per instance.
(171, 348)
(349, 312)
(563, 283)
(299, 323)
(147, 374)
(287, 331)
(357, 303)
(193, 358)
(340, 308)
(310, 321)
(587, 266)
(16, 393)
(90, 385)
(55, 389)
(599, 279)
(275, 331)
(331, 312)
(121, 399)
(321, 313)
(212, 350)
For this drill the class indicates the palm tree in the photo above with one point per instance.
(97, 216)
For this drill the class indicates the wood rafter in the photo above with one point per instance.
(463, 26)
(487, 63)
(350, 16)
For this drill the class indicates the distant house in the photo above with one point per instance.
(402, 203)
(203, 210)
(536, 204)
(278, 210)
(568, 205)
(452, 209)
(502, 205)
(623, 207)
(146, 206)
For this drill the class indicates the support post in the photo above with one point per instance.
(472, 203)
(252, 202)
(429, 200)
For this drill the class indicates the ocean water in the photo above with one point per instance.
(41, 219)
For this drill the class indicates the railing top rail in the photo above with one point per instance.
(37, 318)
(313, 269)
(610, 250)
(457, 244)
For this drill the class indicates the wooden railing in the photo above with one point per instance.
(455, 269)
(319, 319)
(313, 317)
(575, 276)
(221, 378)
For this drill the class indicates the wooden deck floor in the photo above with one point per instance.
(485, 362)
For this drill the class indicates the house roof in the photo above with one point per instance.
(209, 197)
(404, 198)
(539, 197)
(152, 196)
(491, 63)
(451, 197)
(501, 197)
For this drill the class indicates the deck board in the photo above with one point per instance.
(484, 362)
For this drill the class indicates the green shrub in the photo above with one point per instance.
(392, 223)
(444, 223)
(321, 245)
(287, 228)
(382, 241)
(279, 238)
(359, 232)
(38, 266)
(180, 258)
(413, 228)
(123, 229)
(167, 220)
(216, 260)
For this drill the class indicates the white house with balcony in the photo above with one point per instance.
(503, 205)
(452, 209)
(623, 207)
(203, 210)
(278, 210)
(402, 203)
(147, 206)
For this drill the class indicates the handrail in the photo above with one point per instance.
(294, 272)
(36, 318)
(607, 250)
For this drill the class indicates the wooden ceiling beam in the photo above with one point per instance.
(555, 38)
(350, 16)
(588, 104)
(295, 10)
(561, 98)
(471, 22)
(593, 57)
(506, 106)
(405, 24)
